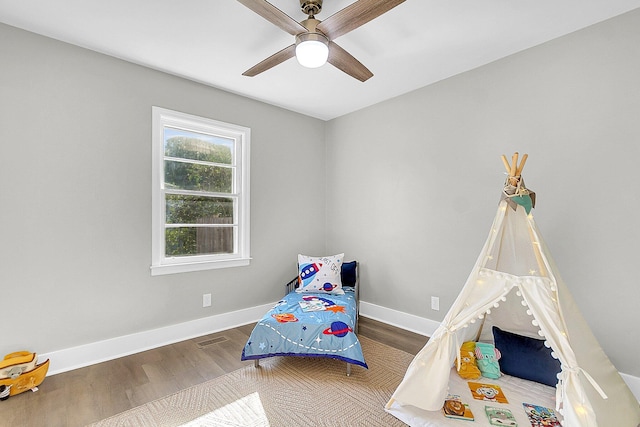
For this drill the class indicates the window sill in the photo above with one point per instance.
(159, 270)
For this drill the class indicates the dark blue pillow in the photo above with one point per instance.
(348, 273)
(526, 358)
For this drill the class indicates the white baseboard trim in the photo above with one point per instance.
(409, 322)
(100, 351)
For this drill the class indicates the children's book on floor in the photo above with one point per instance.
(487, 392)
(500, 416)
(454, 407)
(540, 416)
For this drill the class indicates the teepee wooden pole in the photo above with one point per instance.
(506, 163)
(514, 170)
(522, 162)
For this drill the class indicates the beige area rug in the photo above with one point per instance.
(284, 391)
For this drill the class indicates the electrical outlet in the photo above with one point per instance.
(435, 303)
(206, 300)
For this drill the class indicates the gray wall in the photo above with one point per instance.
(75, 138)
(411, 187)
(415, 181)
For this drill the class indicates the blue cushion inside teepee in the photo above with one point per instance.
(526, 358)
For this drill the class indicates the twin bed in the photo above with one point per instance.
(316, 318)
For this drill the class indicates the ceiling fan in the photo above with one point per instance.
(314, 43)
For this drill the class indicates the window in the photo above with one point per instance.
(200, 193)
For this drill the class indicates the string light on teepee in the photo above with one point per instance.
(580, 410)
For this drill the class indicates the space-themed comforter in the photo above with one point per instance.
(308, 324)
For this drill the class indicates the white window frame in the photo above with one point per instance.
(162, 264)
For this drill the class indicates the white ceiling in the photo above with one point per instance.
(214, 41)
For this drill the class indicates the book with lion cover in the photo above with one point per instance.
(487, 392)
(454, 408)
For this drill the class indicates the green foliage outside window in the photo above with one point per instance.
(211, 176)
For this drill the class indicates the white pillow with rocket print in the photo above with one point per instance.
(320, 274)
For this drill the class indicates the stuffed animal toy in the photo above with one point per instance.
(468, 368)
(487, 359)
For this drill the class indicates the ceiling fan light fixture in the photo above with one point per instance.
(312, 49)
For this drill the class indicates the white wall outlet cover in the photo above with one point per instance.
(206, 300)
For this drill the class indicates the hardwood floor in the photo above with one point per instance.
(86, 395)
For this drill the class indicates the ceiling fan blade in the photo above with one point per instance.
(275, 16)
(275, 59)
(355, 15)
(342, 60)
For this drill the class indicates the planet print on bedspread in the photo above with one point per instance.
(339, 329)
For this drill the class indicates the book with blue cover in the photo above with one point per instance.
(540, 416)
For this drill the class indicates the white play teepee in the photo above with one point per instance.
(516, 266)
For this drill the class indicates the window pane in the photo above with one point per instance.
(200, 196)
(184, 241)
(197, 146)
(182, 209)
(189, 176)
